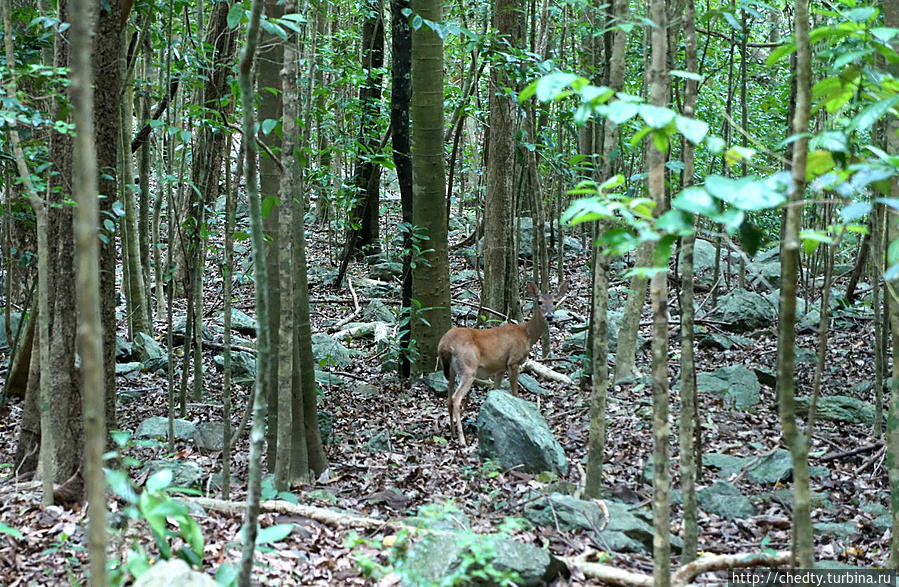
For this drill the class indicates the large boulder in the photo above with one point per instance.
(725, 500)
(158, 427)
(150, 352)
(462, 558)
(734, 383)
(512, 431)
(629, 529)
(839, 408)
(743, 310)
(329, 351)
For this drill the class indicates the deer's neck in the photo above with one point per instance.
(536, 325)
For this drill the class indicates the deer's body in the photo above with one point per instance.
(466, 353)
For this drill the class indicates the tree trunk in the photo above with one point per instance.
(803, 546)
(400, 97)
(87, 280)
(271, 56)
(431, 273)
(498, 209)
(687, 428)
(264, 340)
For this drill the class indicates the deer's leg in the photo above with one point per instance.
(456, 404)
(513, 379)
(450, 388)
(498, 380)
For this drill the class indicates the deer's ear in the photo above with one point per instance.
(532, 288)
(563, 289)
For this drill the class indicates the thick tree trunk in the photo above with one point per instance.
(498, 209)
(430, 277)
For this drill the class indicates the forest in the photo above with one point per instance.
(546, 292)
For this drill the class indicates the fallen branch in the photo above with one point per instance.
(832, 456)
(546, 372)
(683, 575)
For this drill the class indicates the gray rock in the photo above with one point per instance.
(438, 559)
(704, 254)
(722, 342)
(184, 473)
(386, 271)
(242, 322)
(512, 431)
(629, 529)
(765, 271)
(378, 442)
(366, 390)
(123, 348)
(734, 383)
(210, 435)
(839, 408)
(150, 352)
(328, 351)
(128, 370)
(743, 310)
(7, 338)
(437, 382)
(841, 530)
(179, 328)
(243, 366)
(378, 311)
(158, 426)
(527, 382)
(166, 573)
(725, 500)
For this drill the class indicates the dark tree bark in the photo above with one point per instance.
(400, 98)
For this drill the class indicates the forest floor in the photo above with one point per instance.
(422, 464)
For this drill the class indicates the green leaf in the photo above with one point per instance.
(831, 140)
(686, 74)
(861, 14)
(268, 204)
(872, 113)
(7, 529)
(695, 200)
(884, 34)
(893, 252)
(715, 144)
(855, 211)
(235, 15)
(621, 111)
(528, 91)
(818, 163)
(417, 22)
(551, 85)
(779, 53)
(268, 125)
(693, 130)
(751, 237)
(656, 116)
(274, 533)
(660, 140)
(160, 480)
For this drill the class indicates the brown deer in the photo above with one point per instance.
(466, 353)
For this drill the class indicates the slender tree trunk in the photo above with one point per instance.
(264, 342)
(803, 546)
(271, 56)
(87, 285)
(688, 428)
(600, 345)
(891, 19)
(400, 97)
(661, 481)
